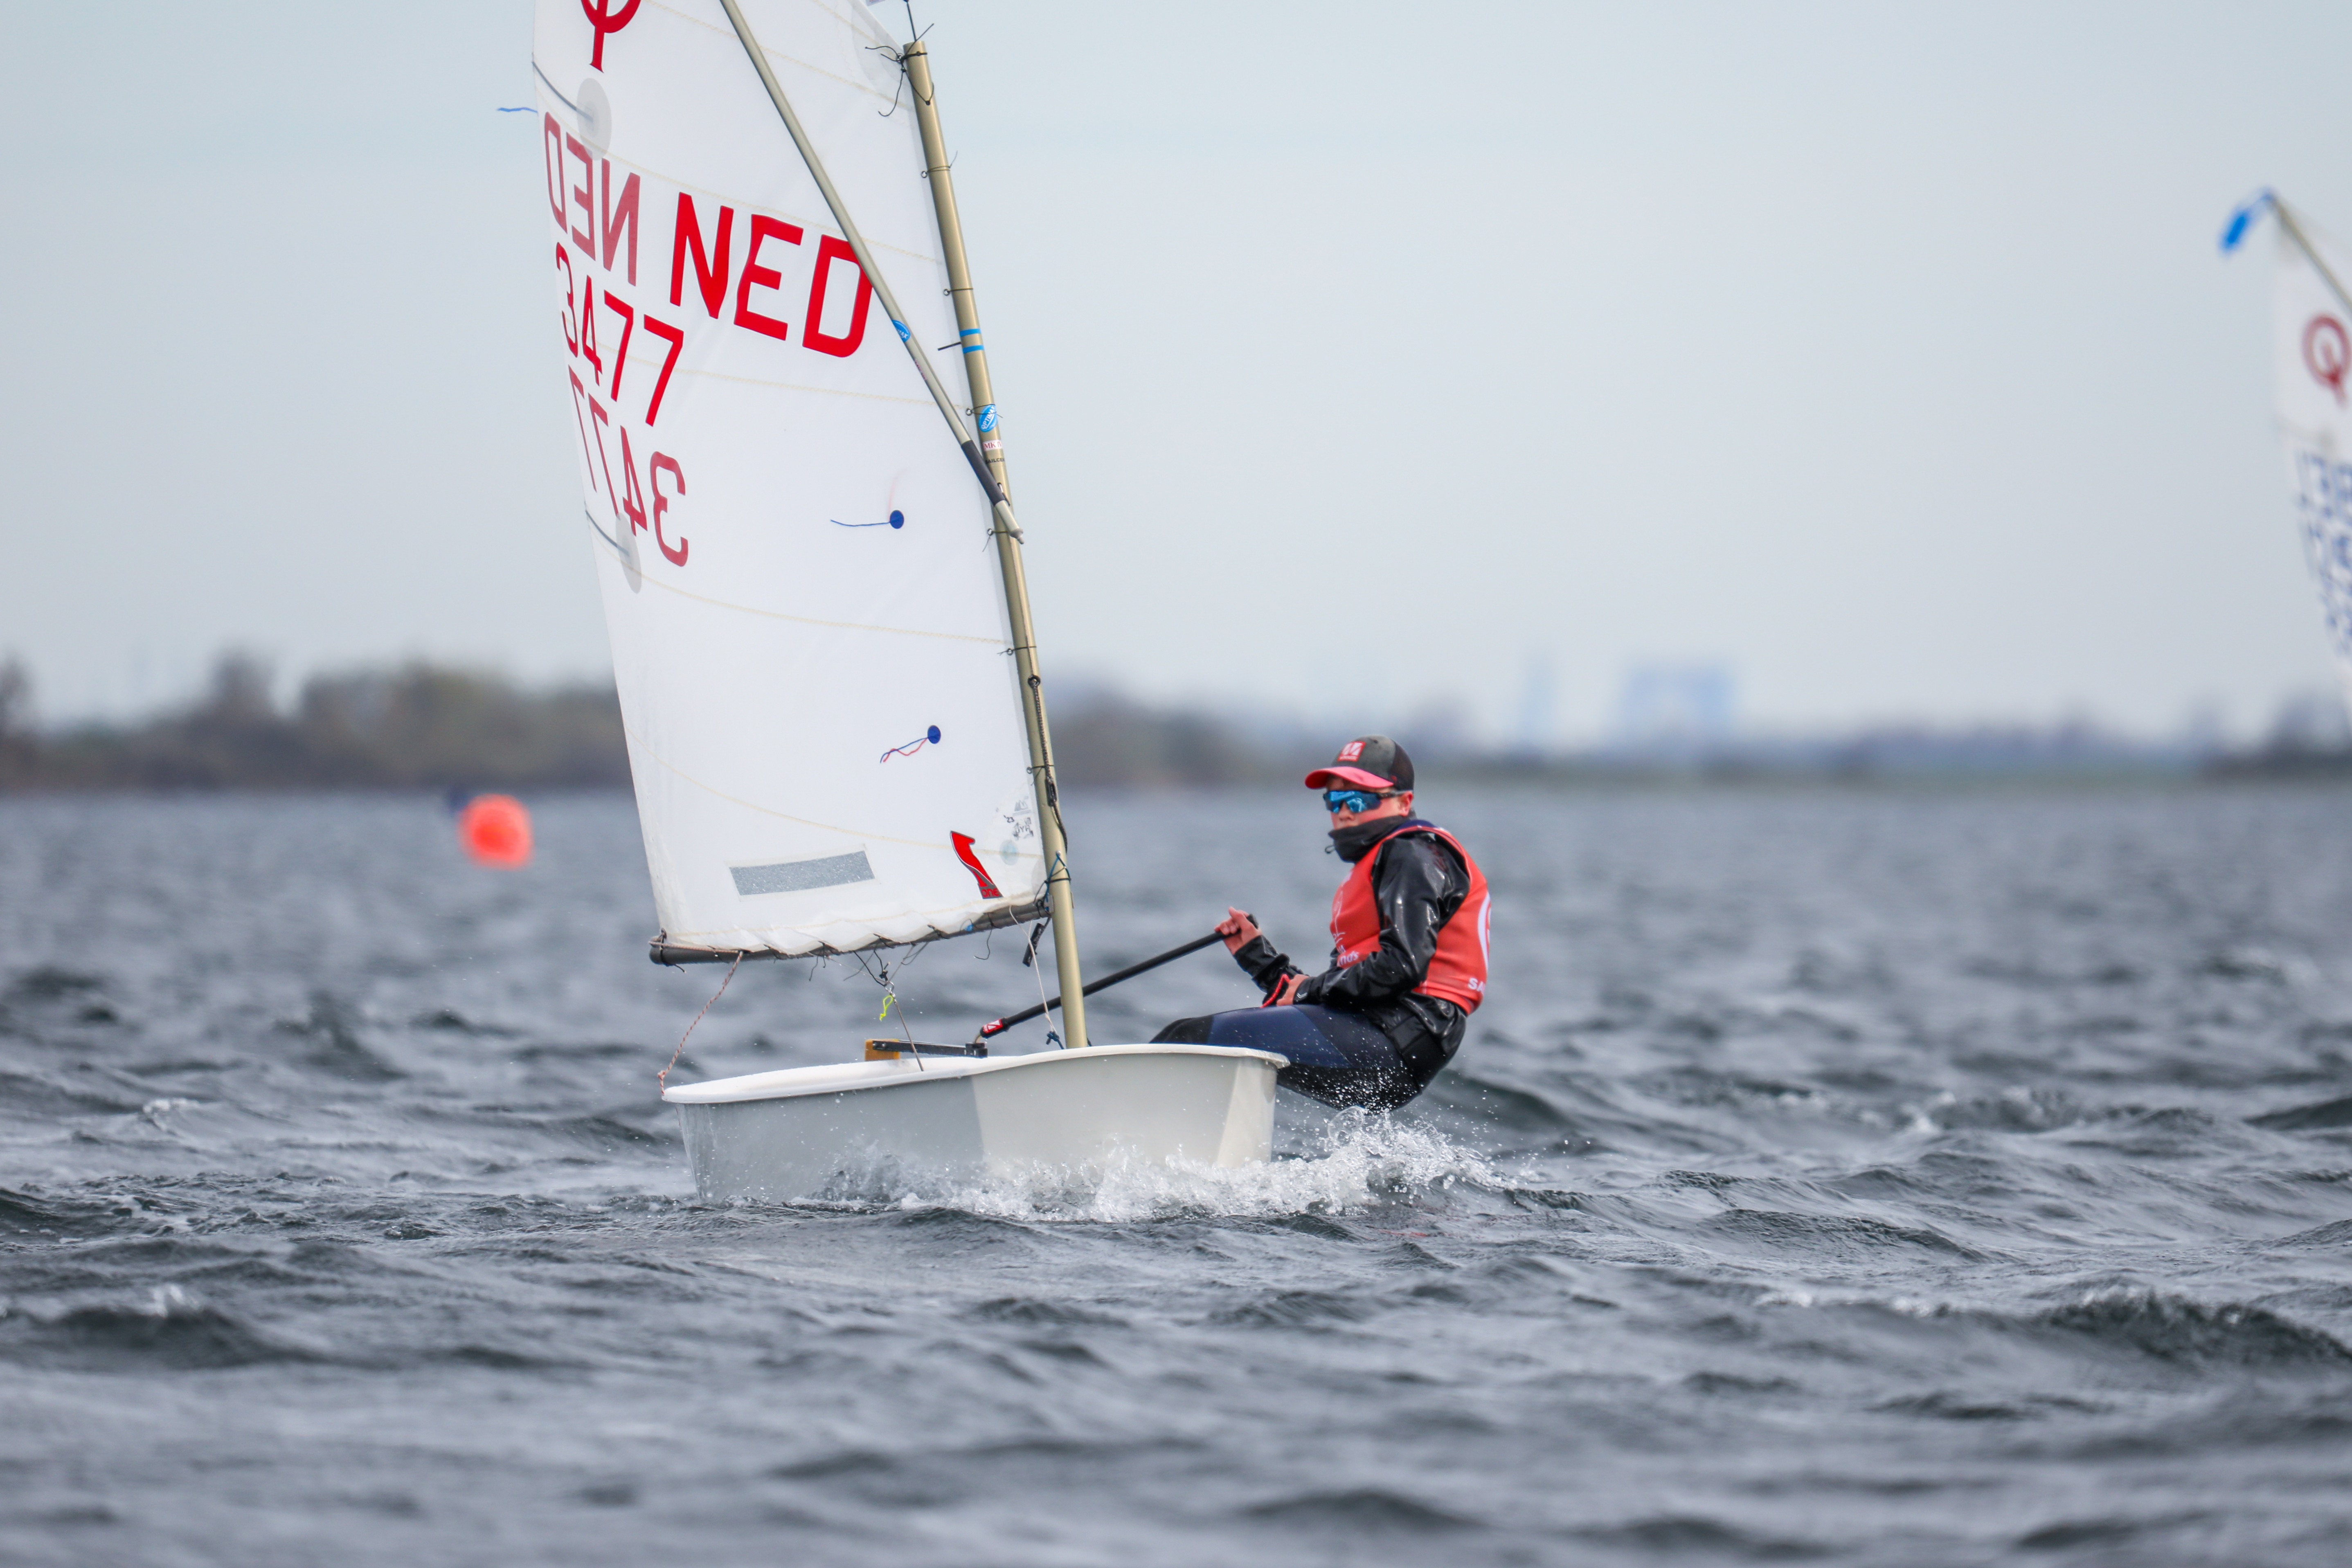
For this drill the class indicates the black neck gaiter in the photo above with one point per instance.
(1352, 844)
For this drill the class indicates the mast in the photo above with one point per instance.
(917, 61)
(1006, 527)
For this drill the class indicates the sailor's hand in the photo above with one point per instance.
(1285, 991)
(1238, 930)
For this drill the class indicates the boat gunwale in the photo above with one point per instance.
(839, 1077)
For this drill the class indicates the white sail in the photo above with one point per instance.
(807, 616)
(2312, 328)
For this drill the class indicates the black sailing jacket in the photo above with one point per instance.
(1418, 884)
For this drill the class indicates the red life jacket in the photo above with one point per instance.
(1458, 971)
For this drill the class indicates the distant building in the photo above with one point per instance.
(1676, 710)
(2311, 721)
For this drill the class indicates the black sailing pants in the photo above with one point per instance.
(1337, 1057)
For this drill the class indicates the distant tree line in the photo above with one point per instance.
(1102, 738)
(425, 726)
(418, 726)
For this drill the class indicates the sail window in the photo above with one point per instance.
(800, 876)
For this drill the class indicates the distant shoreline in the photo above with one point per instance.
(427, 728)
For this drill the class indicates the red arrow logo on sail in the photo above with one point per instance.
(605, 19)
(962, 842)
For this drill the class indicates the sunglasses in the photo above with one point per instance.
(1336, 801)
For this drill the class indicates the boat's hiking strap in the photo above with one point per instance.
(891, 1050)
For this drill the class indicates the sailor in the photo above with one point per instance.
(1409, 930)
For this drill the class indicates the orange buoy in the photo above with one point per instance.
(496, 831)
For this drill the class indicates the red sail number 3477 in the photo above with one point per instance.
(597, 281)
(599, 268)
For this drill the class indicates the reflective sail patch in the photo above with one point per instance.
(799, 876)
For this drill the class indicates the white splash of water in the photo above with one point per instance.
(1357, 1160)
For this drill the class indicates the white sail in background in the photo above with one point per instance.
(807, 617)
(2312, 328)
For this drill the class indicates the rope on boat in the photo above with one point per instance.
(1045, 1008)
(662, 1077)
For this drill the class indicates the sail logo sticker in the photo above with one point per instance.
(963, 842)
(606, 21)
(2327, 353)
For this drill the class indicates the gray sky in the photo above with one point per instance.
(1353, 356)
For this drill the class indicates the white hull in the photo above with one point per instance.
(807, 1130)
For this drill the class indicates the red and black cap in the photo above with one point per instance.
(1368, 762)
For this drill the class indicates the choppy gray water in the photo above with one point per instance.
(1851, 1178)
